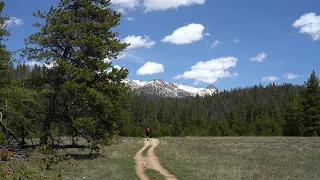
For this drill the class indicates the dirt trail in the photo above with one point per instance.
(150, 162)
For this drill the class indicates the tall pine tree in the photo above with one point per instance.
(4, 63)
(5, 73)
(80, 93)
(293, 126)
(311, 106)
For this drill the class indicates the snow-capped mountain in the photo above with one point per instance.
(162, 88)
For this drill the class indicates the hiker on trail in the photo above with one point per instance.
(147, 132)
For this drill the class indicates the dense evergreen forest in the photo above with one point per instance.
(272, 110)
(78, 97)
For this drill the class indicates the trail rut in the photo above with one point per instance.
(150, 162)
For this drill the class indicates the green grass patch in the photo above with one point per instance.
(114, 162)
(241, 157)
(20, 169)
(152, 174)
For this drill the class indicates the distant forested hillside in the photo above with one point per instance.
(272, 110)
(257, 110)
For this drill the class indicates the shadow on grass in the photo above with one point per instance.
(85, 156)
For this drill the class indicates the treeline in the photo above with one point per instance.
(272, 110)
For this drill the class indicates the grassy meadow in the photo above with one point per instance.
(194, 158)
(114, 162)
(241, 157)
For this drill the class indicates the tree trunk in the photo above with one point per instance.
(23, 135)
(45, 131)
(46, 126)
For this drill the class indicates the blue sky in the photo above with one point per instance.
(227, 43)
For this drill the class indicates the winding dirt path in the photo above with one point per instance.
(150, 162)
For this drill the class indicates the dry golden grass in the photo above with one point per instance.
(241, 157)
(5, 155)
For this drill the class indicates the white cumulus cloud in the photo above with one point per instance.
(185, 35)
(139, 41)
(210, 71)
(259, 58)
(13, 21)
(150, 68)
(161, 5)
(292, 76)
(270, 78)
(128, 4)
(309, 24)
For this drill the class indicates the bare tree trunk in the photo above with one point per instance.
(45, 131)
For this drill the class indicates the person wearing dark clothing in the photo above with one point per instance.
(148, 133)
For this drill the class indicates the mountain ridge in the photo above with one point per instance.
(168, 89)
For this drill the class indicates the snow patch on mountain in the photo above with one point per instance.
(168, 89)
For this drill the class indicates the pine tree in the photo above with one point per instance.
(21, 101)
(293, 125)
(311, 106)
(214, 130)
(36, 77)
(177, 127)
(235, 122)
(4, 63)
(4, 54)
(80, 93)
